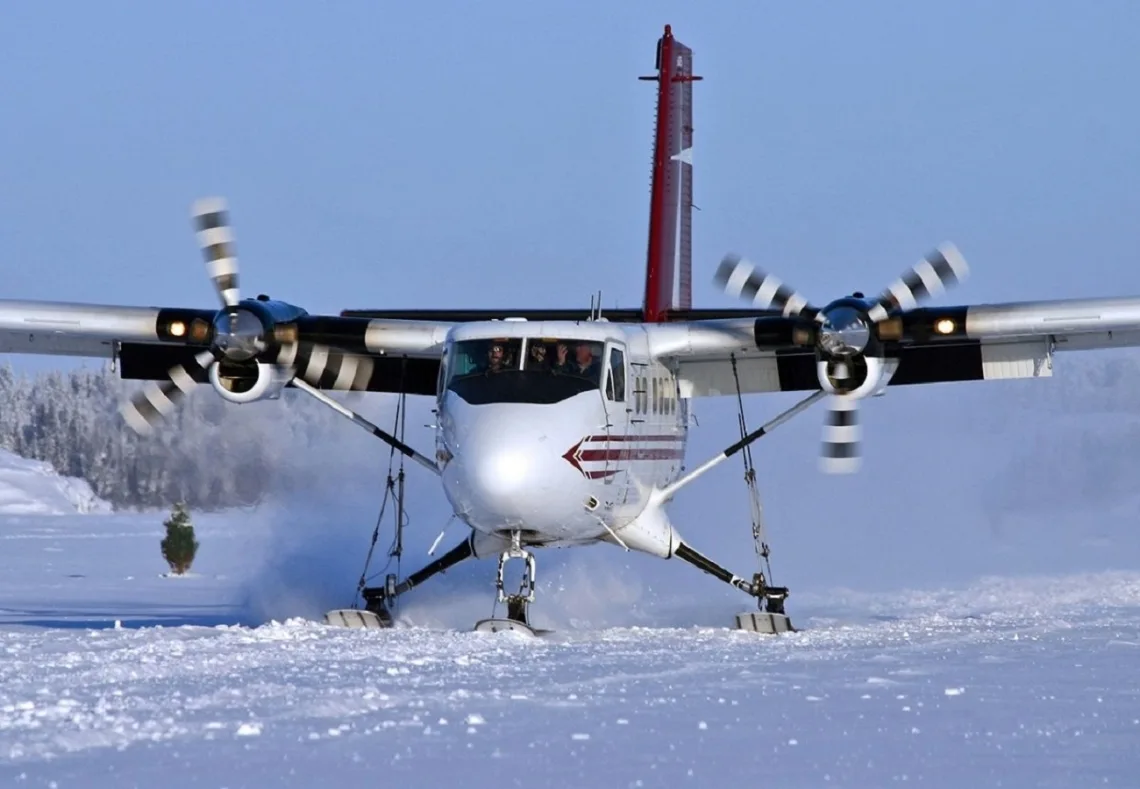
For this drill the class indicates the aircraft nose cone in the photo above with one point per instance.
(510, 478)
(502, 474)
(504, 485)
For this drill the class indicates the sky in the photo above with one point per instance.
(399, 155)
(484, 155)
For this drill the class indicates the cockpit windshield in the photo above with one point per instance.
(516, 370)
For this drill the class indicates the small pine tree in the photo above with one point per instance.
(179, 546)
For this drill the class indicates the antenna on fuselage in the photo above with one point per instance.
(595, 306)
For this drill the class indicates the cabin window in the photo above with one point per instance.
(538, 370)
(615, 383)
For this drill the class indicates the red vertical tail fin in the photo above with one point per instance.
(669, 267)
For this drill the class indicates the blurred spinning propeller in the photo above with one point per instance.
(852, 336)
(253, 348)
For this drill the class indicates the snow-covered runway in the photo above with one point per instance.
(1005, 682)
(1013, 698)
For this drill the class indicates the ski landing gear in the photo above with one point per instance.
(518, 604)
(377, 599)
(770, 618)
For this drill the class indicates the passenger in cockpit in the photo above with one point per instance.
(562, 363)
(536, 357)
(586, 364)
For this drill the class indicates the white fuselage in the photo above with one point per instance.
(563, 456)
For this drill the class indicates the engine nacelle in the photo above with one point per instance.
(246, 383)
(857, 376)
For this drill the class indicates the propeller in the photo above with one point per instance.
(850, 336)
(839, 453)
(216, 238)
(254, 349)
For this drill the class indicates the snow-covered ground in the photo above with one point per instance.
(218, 679)
(31, 487)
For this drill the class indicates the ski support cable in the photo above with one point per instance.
(759, 536)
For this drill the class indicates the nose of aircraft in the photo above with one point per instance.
(510, 474)
(505, 477)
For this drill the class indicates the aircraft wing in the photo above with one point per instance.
(983, 342)
(147, 342)
(961, 343)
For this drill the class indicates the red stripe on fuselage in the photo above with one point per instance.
(623, 453)
(629, 453)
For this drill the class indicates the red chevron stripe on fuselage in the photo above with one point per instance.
(625, 452)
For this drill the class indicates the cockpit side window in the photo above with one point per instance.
(615, 382)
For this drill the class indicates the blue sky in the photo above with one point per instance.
(477, 155)
(480, 154)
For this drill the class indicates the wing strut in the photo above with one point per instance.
(381, 434)
(667, 492)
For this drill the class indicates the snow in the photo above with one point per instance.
(980, 631)
(1003, 681)
(32, 487)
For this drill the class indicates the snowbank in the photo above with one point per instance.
(30, 487)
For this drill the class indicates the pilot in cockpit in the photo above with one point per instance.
(496, 358)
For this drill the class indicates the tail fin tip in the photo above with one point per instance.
(668, 275)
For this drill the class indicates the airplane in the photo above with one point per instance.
(567, 427)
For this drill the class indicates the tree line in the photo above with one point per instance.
(210, 454)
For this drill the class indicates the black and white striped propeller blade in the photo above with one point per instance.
(158, 399)
(937, 272)
(326, 368)
(839, 453)
(216, 238)
(319, 365)
(742, 278)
